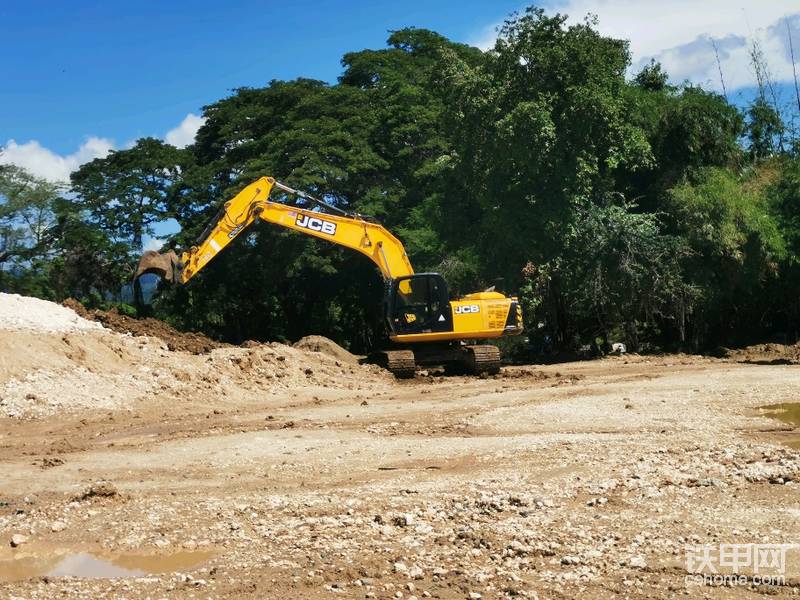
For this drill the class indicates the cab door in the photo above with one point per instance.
(419, 304)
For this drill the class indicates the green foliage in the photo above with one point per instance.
(652, 77)
(538, 128)
(26, 214)
(615, 268)
(764, 129)
(128, 191)
(738, 247)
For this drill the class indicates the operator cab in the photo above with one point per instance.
(419, 304)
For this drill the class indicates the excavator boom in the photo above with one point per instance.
(330, 223)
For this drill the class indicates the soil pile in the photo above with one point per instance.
(69, 364)
(765, 354)
(196, 343)
(24, 313)
(318, 343)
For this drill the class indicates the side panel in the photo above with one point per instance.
(476, 319)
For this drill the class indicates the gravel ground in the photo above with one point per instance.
(210, 476)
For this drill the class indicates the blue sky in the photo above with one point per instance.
(83, 77)
(123, 70)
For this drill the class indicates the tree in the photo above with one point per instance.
(737, 247)
(764, 129)
(652, 77)
(616, 272)
(86, 263)
(128, 191)
(26, 214)
(538, 128)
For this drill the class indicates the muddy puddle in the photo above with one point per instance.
(67, 563)
(789, 413)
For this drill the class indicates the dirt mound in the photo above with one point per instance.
(765, 354)
(71, 364)
(196, 343)
(26, 313)
(318, 343)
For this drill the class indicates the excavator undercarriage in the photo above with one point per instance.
(456, 357)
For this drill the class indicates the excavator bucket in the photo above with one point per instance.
(167, 266)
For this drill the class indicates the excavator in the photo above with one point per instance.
(425, 325)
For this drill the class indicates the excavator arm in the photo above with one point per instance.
(328, 222)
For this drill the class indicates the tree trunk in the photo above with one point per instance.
(633, 336)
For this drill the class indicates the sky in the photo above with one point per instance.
(81, 78)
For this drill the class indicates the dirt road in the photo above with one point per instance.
(210, 476)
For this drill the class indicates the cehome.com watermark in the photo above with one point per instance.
(737, 564)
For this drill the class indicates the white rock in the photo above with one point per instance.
(415, 572)
(637, 562)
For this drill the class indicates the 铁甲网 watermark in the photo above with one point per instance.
(737, 564)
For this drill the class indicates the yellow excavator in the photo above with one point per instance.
(426, 327)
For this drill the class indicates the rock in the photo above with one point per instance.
(708, 482)
(100, 489)
(18, 539)
(597, 501)
(400, 567)
(637, 562)
(403, 520)
(475, 596)
(415, 572)
(58, 526)
(570, 560)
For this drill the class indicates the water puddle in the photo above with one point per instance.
(94, 566)
(789, 413)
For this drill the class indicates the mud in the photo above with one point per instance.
(21, 565)
(196, 343)
(789, 413)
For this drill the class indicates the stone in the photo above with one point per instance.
(18, 539)
(415, 572)
(58, 526)
(637, 562)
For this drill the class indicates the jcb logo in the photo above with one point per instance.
(316, 224)
(469, 308)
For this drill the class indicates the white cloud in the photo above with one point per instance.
(678, 33)
(184, 134)
(152, 243)
(45, 163)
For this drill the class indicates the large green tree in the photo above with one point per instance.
(129, 191)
